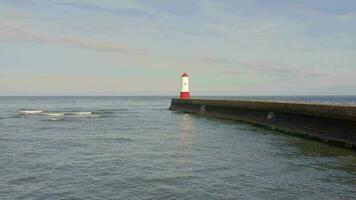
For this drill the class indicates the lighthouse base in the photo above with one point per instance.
(184, 95)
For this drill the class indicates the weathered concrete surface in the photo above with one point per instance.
(335, 124)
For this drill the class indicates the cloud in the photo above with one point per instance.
(102, 46)
(267, 69)
(275, 72)
(16, 32)
(209, 60)
(101, 9)
(84, 84)
(13, 13)
(20, 33)
(112, 7)
(210, 8)
(39, 82)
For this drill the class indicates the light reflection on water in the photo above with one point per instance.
(186, 126)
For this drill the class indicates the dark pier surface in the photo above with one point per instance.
(334, 124)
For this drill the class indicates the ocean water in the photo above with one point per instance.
(134, 148)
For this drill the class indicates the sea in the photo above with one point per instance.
(135, 148)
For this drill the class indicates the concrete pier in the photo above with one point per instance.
(334, 124)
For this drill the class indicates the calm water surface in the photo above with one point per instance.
(134, 148)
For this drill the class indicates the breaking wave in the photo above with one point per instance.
(54, 114)
(31, 112)
(74, 113)
(83, 113)
(55, 119)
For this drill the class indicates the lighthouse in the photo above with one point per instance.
(184, 94)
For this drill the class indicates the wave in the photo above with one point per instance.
(83, 113)
(105, 112)
(31, 112)
(69, 113)
(55, 119)
(54, 114)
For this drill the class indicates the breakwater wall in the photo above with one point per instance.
(334, 124)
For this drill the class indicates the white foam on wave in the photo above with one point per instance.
(54, 119)
(55, 114)
(61, 114)
(31, 112)
(82, 113)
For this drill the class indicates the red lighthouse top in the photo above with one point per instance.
(185, 75)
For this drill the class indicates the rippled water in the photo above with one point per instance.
(134, 148)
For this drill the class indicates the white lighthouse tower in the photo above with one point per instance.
(184, 94)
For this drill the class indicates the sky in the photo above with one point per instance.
(141, 47)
